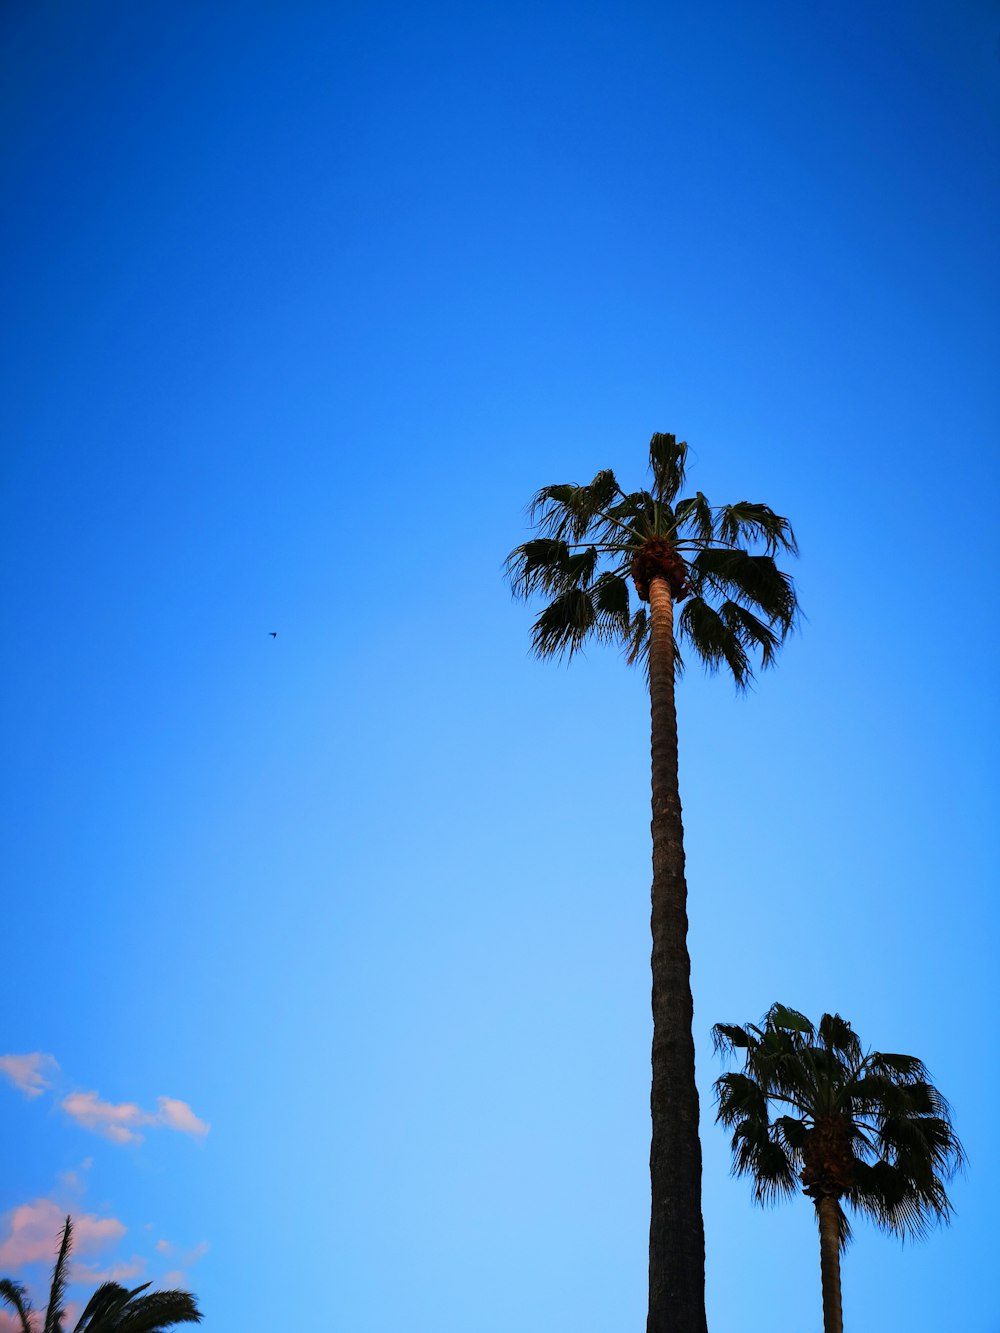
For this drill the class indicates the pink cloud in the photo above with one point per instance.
(178, 1115)
(121, 1121)
(33, 1231)
(28, 1072)
(114, 1121)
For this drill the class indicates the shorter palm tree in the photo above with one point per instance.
(111, 1309)
(866, 1129)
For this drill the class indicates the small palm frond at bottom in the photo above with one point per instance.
(16, 1296)
(54, 1313)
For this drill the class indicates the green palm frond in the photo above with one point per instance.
(780, 1017)
(637, 640)
(837, 1034)
(54, 1313)
(610, 599)
(570, 512)
(754, 581)
(713, 640)
(16, 1296)
(897, 1066)
(756, 523)
(157, 1311)
(99, 1311)
(750, 632)
(667, 462)
(694, 518)
(728, 1037)
(740, 1098)
(563, 626)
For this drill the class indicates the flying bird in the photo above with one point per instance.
(273, 633)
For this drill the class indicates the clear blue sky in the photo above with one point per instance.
(301, 302)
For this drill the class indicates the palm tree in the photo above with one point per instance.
(591, 542)
(111, 1309)
(858, 1127)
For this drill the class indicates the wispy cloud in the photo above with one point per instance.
(120, 1272)
(31, 1233)
(123, 1121)
(177, 1276)
(29, 1073)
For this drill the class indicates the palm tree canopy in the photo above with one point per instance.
(111, 1309)
(812, 1108)
(719, 560)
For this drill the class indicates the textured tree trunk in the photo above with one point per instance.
(676, 1230)
(829, 1260)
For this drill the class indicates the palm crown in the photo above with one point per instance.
(717, 560)
(861, 1126)
(112, 1308)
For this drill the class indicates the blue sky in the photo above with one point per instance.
(302, 302)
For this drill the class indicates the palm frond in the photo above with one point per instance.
(667, 461)
(792, 1133)
(99, 1311)
(713, 641)
(728, 1037)
(16, 1296)
(754, 581)
(570, 512)
(635, 516)
(562, 627)
(637, 640)
(54, 1312)
(887, 1194)
(755, 523)
(694, 517)
(897, 1066)
(756, 1153)
(548, 565)
(610, 598)
(739, 1098)
(751, 632)
(838, 1035)
(159, 1310)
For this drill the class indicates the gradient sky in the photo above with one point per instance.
(332, 948)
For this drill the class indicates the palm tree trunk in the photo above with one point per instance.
(676, 1230)
(829, 1259)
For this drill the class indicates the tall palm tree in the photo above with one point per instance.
(111, 1309)
(592, 542)
(857, 1127)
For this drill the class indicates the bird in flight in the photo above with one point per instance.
(273, 633)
